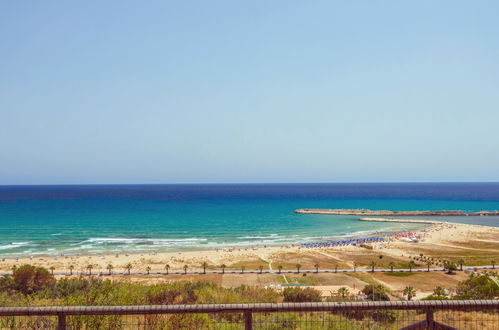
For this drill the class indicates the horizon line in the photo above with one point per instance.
(242, 183)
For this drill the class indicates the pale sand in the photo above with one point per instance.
(441, 234)
(428, 222)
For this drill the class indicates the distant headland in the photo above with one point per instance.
(364, 212)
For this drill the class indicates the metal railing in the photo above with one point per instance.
(481, 314)
(432, 314)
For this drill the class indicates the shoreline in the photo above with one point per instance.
(429, 222)
(435, 235)
(247, 245)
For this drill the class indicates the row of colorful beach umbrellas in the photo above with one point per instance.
(346, 242)
(356, 240)
(404, 234)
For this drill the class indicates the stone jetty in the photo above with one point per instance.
(363, 212)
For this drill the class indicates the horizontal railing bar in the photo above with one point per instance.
(259, 307)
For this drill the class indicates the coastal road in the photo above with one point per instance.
(274, 272)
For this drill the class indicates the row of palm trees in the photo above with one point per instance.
(442, 262)
(408, 291)
(128, 267)
(431, 261)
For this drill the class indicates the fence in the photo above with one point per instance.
(437, 314)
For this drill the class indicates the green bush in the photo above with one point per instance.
(376, 292)
(480, 286)
(29, 279)
(6, 283)
(435, 297)
(301, 295)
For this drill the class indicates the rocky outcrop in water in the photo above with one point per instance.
(393, 213)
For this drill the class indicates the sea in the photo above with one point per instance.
(96, 219)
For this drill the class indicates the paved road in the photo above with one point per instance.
(264, 271)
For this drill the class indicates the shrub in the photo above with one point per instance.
(435, 297)
(29, 279)
(70, 286)
(6, 283)
(376, 292)
(301, 295)
(161, 295)
(477, 287)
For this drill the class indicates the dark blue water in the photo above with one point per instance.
(104, 218)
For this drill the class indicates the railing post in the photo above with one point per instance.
(429, 319)
(61, 321)
(248, 319)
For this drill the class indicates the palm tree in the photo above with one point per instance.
(261, 268)
(167, 268)
(185, 269)
(372, 264)
(242, 269)
(71, 267)
(428, 264)
(223, 268)
(128, 267)
(439, 291)
(204, 265)
(89, 267)
(298, 266)
(409, 292)
(412, 264)
(343, 291)
(316, 268)
(148, 270)
(461, 263)
(279, 268)
(109, 268)
(52, 268)
(450, 267)
(391, 264)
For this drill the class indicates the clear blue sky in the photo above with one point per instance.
(248, 91)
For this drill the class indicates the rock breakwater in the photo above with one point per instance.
(365, 212)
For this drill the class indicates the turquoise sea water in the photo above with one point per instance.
(54, 220)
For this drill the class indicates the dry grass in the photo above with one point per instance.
(423, 281)
(235, 280)
(307, 260)
(468, 320)
(473, 257)
(326, 279)
(363, 258)
(249, 264)
(479, 245)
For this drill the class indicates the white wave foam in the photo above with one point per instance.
(259, 237)
(144, 241)
(13, 245)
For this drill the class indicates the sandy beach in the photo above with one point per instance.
(436, 236)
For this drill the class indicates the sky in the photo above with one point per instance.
(97, 92)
